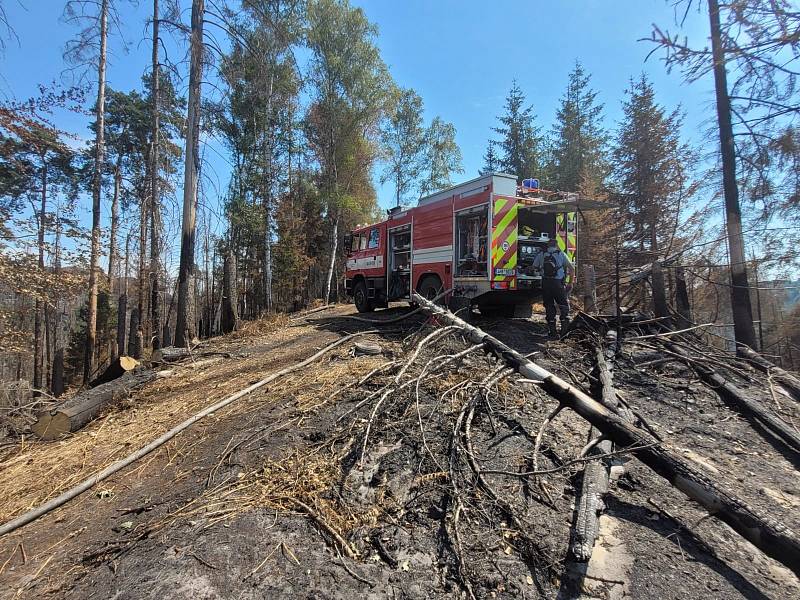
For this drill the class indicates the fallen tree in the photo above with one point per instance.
(771, 537)
(596, 472)
(779, 433)
(85, 406)
(786, 379)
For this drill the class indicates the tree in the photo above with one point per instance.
(651, 167)
(349, 92)
(256, 121)
(38, 165)
(95, 33)
(491, 162)
(43, 162)
(578, 144)
(716, 61)
(442, 156)
(155, 196)
(184, 323)
(520, 145)
(128, 122)
(404, 138)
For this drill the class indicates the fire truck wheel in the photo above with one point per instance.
(430, 288)
(361, 298)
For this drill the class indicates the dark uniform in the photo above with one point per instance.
(554, 291)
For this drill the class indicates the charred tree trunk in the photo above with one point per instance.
(37, 317)
(94, 259)
(682, 298)
(740, 286)
(332, 265)
(57, 384)
(122, 321)
(113, 256)
(155, 196)
(142, 284)
(134, 338)
(589, 289)
(230, 317)
(84, 407)
(659, 293)
(57, 378)
(185, 326)
(786, 379)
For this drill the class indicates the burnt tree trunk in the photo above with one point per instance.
(78, 411)
(184, 322)
(97, 183)
(230, 317)
(134, 339)
(740, 286)
(155, 196)
(682, 298)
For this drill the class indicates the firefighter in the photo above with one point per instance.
(555, 268)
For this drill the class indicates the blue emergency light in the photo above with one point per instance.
(531, 184)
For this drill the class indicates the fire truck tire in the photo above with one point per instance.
(431, 287)
(361, 298)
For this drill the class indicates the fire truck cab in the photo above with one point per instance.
(477, 239)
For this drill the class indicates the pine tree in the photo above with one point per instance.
(651, 168)
(490, 160)
(578, 140)
(520, 144)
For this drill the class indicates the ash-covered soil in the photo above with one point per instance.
(383, 477)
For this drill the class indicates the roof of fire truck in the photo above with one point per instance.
(504, 184)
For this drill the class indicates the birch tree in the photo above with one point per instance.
(349, 87)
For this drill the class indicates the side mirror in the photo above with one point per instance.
(347, 242)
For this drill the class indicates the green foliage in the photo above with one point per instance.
(520, 143)
(350, 89)
(442, 156)
(404, 138)
(651, 167)
(578, 146)
(106, 326)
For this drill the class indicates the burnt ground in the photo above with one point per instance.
(249, 502)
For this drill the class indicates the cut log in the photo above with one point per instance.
(118, 367)
(786, 379)
(771, 537)
(596, 473)
(777, 432)
(82, 408)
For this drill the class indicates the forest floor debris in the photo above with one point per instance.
(285, 493)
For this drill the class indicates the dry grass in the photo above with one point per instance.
(260, 327)
(34, 471)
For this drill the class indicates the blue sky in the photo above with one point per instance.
(460, 56)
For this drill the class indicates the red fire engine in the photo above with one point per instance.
(478, 239)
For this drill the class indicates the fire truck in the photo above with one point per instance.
(477, 239)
